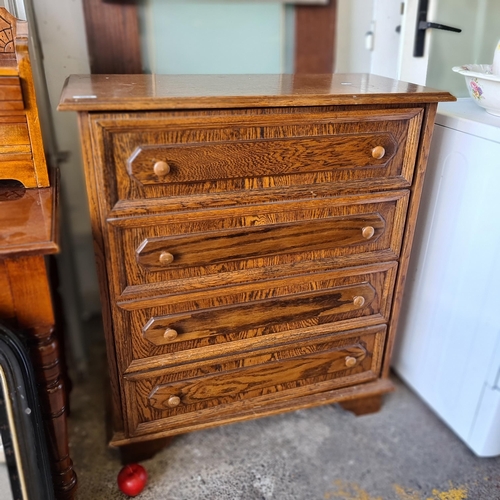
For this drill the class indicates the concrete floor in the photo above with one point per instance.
(404, 452)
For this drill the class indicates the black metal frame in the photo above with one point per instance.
(24, 445)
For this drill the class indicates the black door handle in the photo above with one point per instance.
(424, 25)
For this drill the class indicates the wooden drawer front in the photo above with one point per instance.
(227, 160)
(206, 249)
(11, 96)
(232, 151)
(175, 396)
(14, 136)
(208, 321)
(195, 247)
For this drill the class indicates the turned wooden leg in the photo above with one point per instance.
(34, 314)
(137, 452)
(363, 406)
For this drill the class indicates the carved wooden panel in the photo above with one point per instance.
(204, 324)
(205, 249)
(22, 155)
(171, 397)
(226, 160)
(320, 305)
(250, 151)
(7, 33)
(249, 243)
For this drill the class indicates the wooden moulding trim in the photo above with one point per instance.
(170, 92)
(99, 249)
(244, 102)
(415, 198)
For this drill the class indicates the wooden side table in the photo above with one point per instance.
(28, 233)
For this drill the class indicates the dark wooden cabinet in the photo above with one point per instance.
(252, 235)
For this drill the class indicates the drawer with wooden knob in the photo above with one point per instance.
(157, 155)
(207, 322)
(183, 252)
(175, 398)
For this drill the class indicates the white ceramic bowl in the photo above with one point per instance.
(483, 86)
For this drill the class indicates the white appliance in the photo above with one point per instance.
(448, 346)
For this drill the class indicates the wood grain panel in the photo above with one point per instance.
(7, 310)
(27, 221)
(10, 92)
(321, 305)
(255, 381)
(162, 92)
(263, 152)
(286, 372)
(272, 404)
(113, 36)
(14, 134)
(213, 322)
(205, 249)
(315, 29)
(21, 171)
(212, 161)
(273, 239)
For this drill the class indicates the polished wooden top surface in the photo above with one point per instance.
(28, 222)
(155, 92)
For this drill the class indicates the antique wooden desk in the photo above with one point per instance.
(252, 236)
(28, 233)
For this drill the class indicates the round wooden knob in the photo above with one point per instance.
(166, 258)
(169, 334)
(161, 168)
(367, 232)
(358, 301)
(350, 361)
(378, 152)
(174, 401)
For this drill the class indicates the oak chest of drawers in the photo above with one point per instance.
(252, 236)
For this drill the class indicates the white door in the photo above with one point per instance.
(384, 38)
(444, 49)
